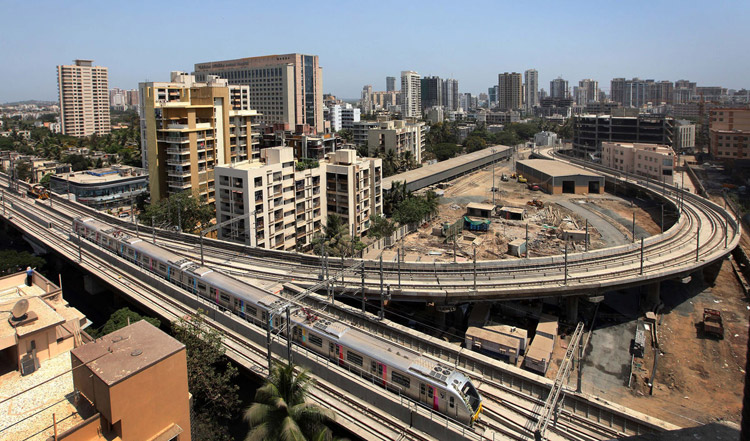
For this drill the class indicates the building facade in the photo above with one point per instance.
(558, 88)
(589, 131)
(411, 94)
(283, 207)
(729, 133)
(450, 94)
(399, 136)
(432, 92)
(587, 92)
(353, 189)
(113, 188)
(349, 116)
(360, 132)
(531, 89)
(390, 84)
(189, 127)
(650, 160)
(283, 88)
(510, 87)
(84, 98)
(684, 135)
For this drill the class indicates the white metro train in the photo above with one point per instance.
(434, 385)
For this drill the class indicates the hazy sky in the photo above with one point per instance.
(361, 43)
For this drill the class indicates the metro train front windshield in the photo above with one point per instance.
(469, 392)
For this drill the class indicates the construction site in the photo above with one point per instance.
(658, 359)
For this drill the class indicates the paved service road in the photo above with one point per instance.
(610, 235)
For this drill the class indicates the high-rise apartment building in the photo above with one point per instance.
(617, 90)
(189, 127)
(531, 89)
(587, 92)
(510, 86)
(450, 94)
(492, 96)
(411, 94)
(558, 88)
(684, 135)
(84, 98)
(432, 92)
(390, 84)
(283, 88)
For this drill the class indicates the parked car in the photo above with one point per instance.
(521, 179)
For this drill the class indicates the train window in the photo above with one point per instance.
(162, 267)
(421, 389)
(201, 287)
(330, 347)
(224, 298)
(452, 402)
(401, 379)
(354, 358)
(429, 392)
(373, 366)
(380, 369)
(251, 310)
(316, 340)
(236, 303)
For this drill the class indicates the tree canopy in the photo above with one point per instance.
(336, 239)
(211, 378)
(119, 319)
(281, 411)
(180, 208)
(12, 261)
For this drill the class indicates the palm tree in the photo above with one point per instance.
(280, 411)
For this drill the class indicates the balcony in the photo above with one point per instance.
(178, 173)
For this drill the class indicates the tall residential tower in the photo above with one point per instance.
(411, 94)
(84, 99)
(531, 89)
(509, 91)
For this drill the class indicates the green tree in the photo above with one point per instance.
(474, 143)
(45, 180)
(12, 261)
(23, 171)
(180, 208)
(78, 162)
(211, 378)
(281, 411)
(444, 150)
(119, 319)
(380, 227)
(346, 134)
(336, 239)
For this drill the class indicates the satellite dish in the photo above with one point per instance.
(19, 309)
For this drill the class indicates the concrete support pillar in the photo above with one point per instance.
(653, 295)
(711, 272)
(92, 285)
(571, 309)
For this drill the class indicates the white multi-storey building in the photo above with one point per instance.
(353, 188)
(684, 135)
(651, 160)
(349, 115)
(400, 136)
(333, 115)
(283, 208)
(531, 89)
(411, 94)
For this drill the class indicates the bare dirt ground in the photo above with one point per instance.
(544, 224)
(699, 378)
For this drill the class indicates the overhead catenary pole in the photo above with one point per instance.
(527, 240)
(202, 263)
(362, 274)
(475, 267)
(153, 229)
(288, 335)
(633, 231)
(78, 232)
(398, 251)
(641, 256)
(268, 341)
(565, 277)
(697, 244)
(662, 218)
(586, 244)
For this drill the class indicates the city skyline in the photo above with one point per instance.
(132, 57)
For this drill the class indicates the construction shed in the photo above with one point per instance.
(556, 177)
(517, 247)
(577, 235)
(477, 209)
(493, 343)
(547, 326)
(512, 213)
(539, 354)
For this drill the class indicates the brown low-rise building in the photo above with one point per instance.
(136, 378)
(729, 133)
